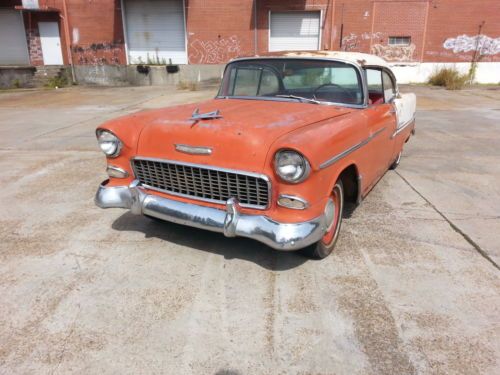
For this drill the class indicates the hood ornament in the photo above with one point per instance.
(197, 116)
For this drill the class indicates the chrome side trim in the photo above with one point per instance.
(403, 127)
(350, 150)
(193, 150)
(253, 174)
(229, 221)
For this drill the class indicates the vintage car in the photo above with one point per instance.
(289, 141)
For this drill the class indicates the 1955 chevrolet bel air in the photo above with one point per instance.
(288, 141)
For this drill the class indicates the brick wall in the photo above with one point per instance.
(218, 30)
(450, 20)
(433, 25)
(34, 46)
(95, 31)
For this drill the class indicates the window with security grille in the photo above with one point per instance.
(399, 40)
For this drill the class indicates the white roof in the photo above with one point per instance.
(357, 58)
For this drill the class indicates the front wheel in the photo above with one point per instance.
(325, 246)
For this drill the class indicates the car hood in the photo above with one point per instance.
(240, 139)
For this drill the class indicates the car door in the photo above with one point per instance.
(404, 106)
(381, 123)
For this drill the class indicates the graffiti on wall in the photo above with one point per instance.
(97, 54)
(351, 42)
(214, 51)
(394, 52)
(482, 43)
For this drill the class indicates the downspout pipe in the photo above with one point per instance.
(68, 40)
(255, 30)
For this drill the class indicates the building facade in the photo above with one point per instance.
(413, 35)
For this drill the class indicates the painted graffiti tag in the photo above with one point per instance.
(394, 52)
(351, 41)
(98, 53)
(215, 51)
(482, 43)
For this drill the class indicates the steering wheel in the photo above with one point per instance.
(351, 96)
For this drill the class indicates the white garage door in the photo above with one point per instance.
(155, 31)
(294, 31)
(13, 47)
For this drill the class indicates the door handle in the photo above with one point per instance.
(392, 111)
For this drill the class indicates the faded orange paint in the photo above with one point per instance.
(251, 131)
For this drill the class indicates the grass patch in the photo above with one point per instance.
(185, 85)
(449, 78)
(57, 82)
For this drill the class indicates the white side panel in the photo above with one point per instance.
(155, 31)
(405, 107)
(294, 31)
(13, 45)
(51, 43)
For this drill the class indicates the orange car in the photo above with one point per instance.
(287, 141)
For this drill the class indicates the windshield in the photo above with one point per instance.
(312, 81)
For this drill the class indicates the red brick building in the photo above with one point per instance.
(121, 32)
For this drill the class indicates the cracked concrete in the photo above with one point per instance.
(84, 290)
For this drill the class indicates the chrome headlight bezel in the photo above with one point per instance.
(301, 162)
(112, 138)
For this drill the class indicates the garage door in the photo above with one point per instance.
(294, 31)
(155, 31)
(13, 47)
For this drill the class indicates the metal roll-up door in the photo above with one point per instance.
(294, 31)
(13, 45)
(155, 31)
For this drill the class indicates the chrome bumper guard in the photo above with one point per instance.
(231, 222)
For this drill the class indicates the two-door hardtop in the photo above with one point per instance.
(276, 156)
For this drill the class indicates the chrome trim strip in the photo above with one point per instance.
(193, 150)
(252, 174)
(402, 127)
(350, 150)
(295, 198)
(230, 220)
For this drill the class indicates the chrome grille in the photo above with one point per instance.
(209, 184)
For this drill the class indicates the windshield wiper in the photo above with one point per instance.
(301, 98)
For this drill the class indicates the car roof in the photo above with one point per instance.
(357, 58)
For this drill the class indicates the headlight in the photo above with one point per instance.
(291, 166)
(109, 143)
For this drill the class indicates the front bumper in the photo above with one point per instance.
(231, 222)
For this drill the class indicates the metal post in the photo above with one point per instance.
(68, 40)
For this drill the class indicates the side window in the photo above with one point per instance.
(245, 81)
(375, 87)
(253, 82)
(389, 89)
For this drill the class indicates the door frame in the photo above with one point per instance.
(125, 36)
(320, 31)
(60, 41)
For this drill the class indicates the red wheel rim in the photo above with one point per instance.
(337, 201)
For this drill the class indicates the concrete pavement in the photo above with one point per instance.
(413, 287)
